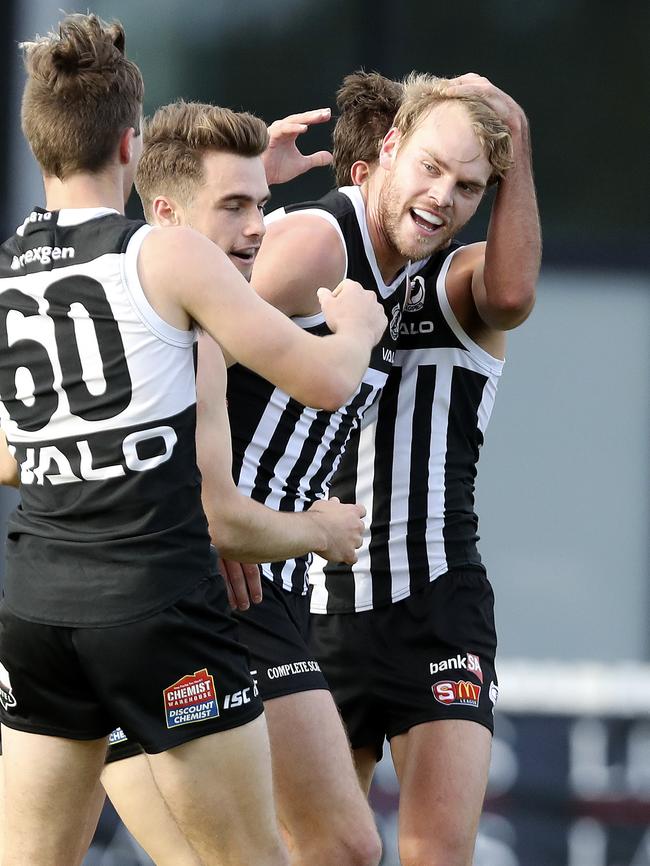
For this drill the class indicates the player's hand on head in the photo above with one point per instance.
(350, 305)
(243, 583)
(343, 527)
(282, 159)
(473, 84)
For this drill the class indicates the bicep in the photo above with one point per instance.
(299, 254)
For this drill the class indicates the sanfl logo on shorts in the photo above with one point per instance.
(7, 698)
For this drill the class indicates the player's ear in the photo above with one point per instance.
(166, 212)
(389, 148)
(126, 145)
(359, 172)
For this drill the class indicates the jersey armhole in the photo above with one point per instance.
(489, 362)
(146, 313)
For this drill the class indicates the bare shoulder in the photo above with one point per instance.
(465, 265)
(177, 247)
(300, 253)
(172, 262)
(465, 262)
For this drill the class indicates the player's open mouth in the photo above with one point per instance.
(426, 221)
(246, 255)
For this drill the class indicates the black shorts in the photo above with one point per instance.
(276, 633)
(170, 678)
(428, 657)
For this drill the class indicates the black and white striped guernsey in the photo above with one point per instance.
(99, 407)
(413, 461)
(284, 453)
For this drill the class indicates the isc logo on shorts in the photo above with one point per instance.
(191, 699)
(457, 692)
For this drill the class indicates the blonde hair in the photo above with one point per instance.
(178, 135)
(80, 96)
(423, 91)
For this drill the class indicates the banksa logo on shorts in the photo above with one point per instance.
(191, 699)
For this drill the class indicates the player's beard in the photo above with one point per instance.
(391, 213)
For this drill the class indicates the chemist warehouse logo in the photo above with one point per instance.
(191, 699)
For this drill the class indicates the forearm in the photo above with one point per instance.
(513, 251)
(247, 531)
(330, 370)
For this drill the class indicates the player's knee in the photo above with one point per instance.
(430, 851)
(352, 846)
(360, 848)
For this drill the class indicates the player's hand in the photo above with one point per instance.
(243, 583)
(351, 306)
(472, 84)
(282, 159)
(343, 526)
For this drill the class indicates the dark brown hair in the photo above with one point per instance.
(367, 103)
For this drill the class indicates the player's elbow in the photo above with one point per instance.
(511, 307)
(232, 527)
(331, 390)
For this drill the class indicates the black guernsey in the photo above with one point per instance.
(284, 454)
(99, 408)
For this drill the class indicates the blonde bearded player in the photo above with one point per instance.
(416, 611)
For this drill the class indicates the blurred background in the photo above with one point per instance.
(564, 482)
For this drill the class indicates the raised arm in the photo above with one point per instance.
(504, 280)
(186, 277)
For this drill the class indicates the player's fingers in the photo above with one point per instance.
(319, 159)
(361, 509)
(467, 78)
(238, 585)
(253, 582)
(286, 130)
(232, 601)
(316, 115)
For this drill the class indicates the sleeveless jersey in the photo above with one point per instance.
(98, 403)
(413, 461)
(284, 453)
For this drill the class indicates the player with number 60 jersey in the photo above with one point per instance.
(75, 412)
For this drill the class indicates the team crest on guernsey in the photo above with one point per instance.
(395, 320)
(415, 299)
(191, 699)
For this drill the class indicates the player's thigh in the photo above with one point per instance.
(220, 786)
(313, 771)
(365, 762)
(442, 767)
(132, 790)
(50, 796)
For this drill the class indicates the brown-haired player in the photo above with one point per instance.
(367, 103)
(112, 614)
(209, 167)
(416, 610)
